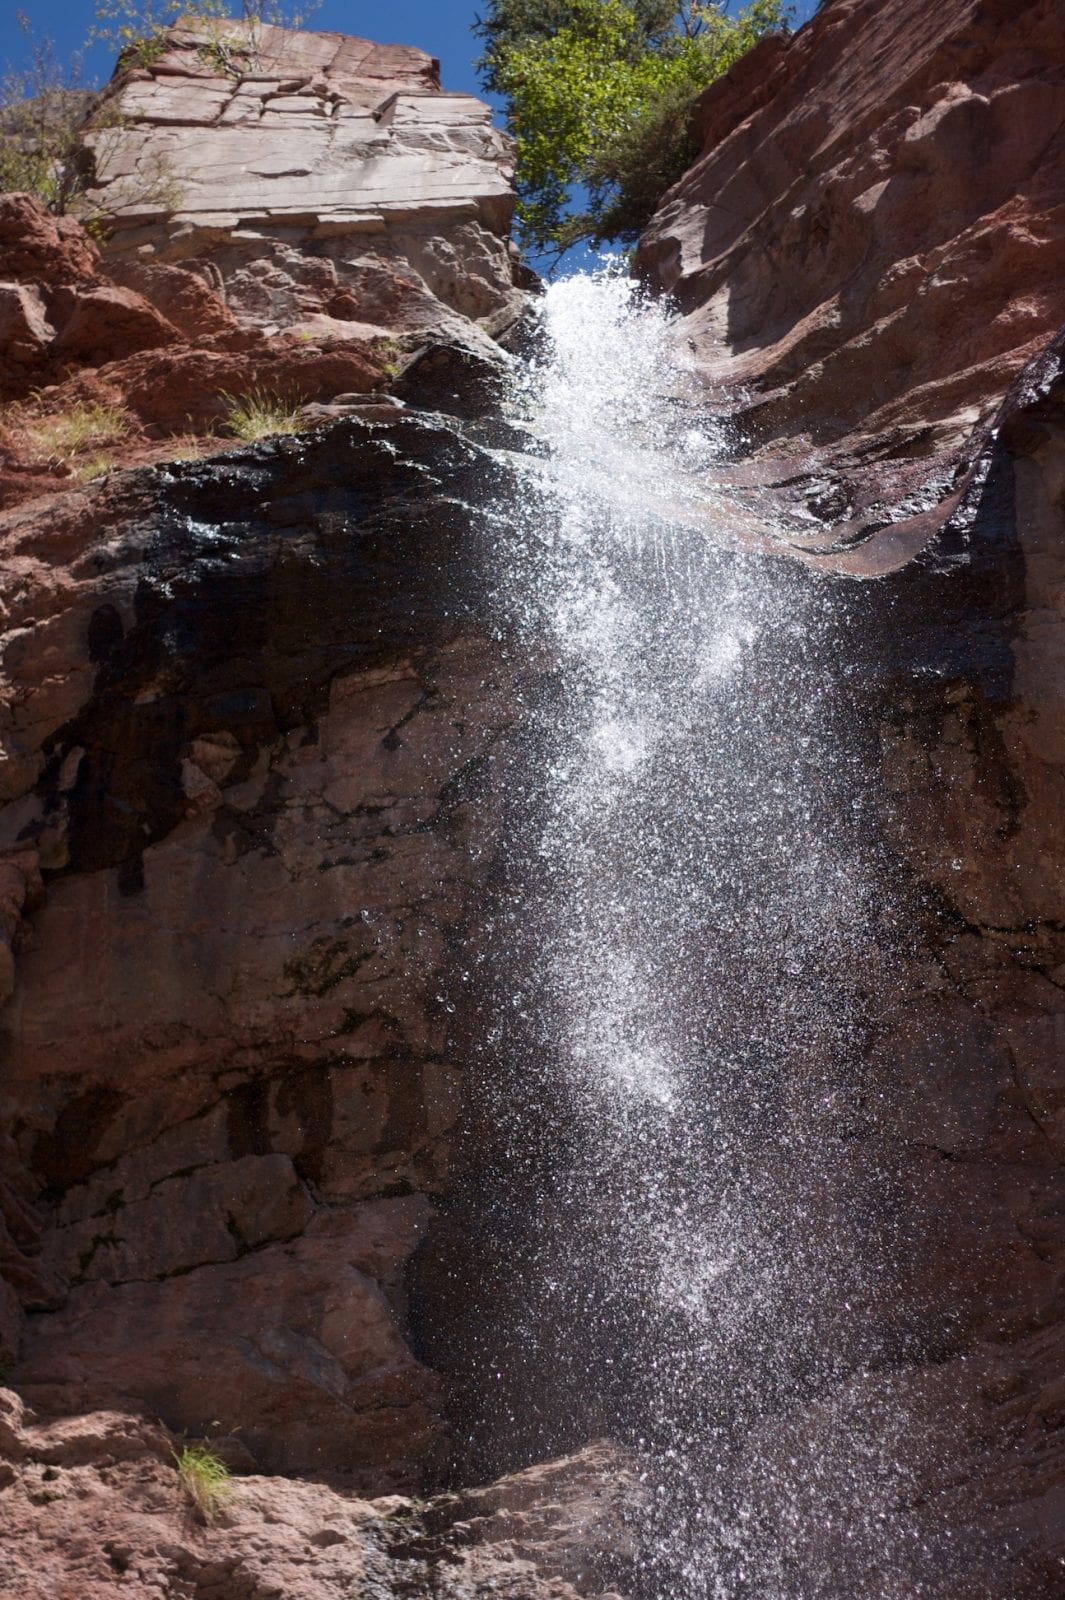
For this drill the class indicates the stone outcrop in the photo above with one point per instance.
(96, 1502)
(249, 710)
(869, 248)
(103, 368)
(323, 182)
(290, 216)
(244, 747)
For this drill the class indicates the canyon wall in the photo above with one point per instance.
(257, 730)
(869, 262)
(250, 717)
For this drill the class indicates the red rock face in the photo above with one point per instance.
(869, 261)
(38, 248)
(153, 345)
(280, 209)
(214, 1177)
(250, 718)
(258, 850)
(93, 1505)
(869, 249)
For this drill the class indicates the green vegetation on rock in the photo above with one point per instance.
(42, 108)
(206, 1480)
(139, 28)
(259, 415)
(598, 95)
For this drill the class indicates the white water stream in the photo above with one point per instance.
(678, 1023)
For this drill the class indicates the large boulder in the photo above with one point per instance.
(314, 174)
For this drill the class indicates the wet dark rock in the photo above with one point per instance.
(457, 381)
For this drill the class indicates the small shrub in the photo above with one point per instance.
(69, 433)
(206, 1480)
(42, 108)
(258, 415)
(140, 29)
(390, 352)
(57, 137)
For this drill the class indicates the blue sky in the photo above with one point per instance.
(441, 27)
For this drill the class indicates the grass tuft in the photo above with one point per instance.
(83, 427)
(185, 447)
(94, 467)
(206, 1480)
(258, 415)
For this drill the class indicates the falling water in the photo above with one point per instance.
(680, 1237)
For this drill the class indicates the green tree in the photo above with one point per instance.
(42, 108)
(515, 23)
(598, 95)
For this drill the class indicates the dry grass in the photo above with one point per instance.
(206, 1481)
(185, 447)
(258, 415)
(94, 467)
(65, 435)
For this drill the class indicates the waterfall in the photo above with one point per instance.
(680, 1232)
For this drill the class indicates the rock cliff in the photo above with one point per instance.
(326, 183)
(869, 248)
(870, 265)
(258, 727)
(289, 216)
(249, 719)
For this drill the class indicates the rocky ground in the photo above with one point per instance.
(94, 1506)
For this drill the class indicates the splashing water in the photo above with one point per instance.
(682, 1237)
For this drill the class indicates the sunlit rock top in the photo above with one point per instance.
(248, 144)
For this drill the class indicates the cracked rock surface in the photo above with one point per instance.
(255, 780)
(319, 180)
(93, 1505)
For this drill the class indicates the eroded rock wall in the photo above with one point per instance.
(868, 262)
(249, 718)
(870, 247)
(255, 716)
(283, 218)
(93, 1501)
(260, 814)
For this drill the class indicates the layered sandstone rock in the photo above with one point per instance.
(870, 247)
(252, 721)
(322, 181)
(102, 368)
(96, 1502)
(256, 729)
(244, 746)
(288, 216)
